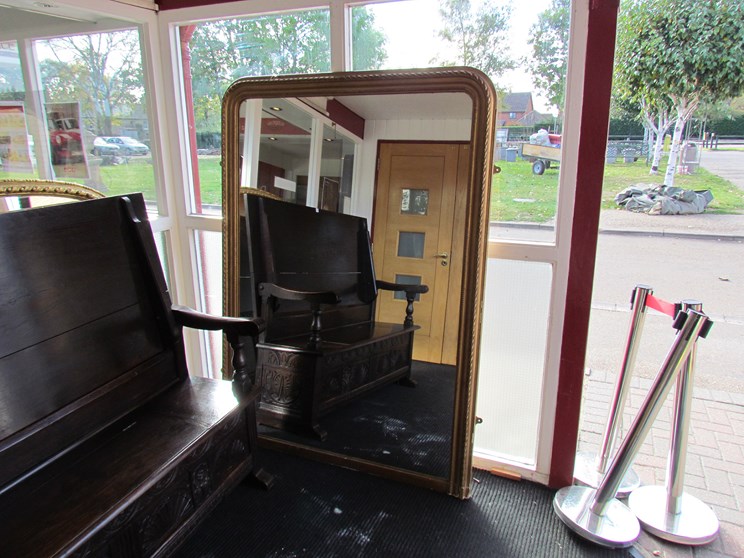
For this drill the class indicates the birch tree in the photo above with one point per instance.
(657, 115)
(689, 51)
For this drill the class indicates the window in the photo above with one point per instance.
(216, 53)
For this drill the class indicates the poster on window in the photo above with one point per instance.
(15, 155)
(66, 140)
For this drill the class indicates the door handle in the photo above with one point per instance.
(444, 256)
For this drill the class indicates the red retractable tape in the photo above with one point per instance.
(662, 306)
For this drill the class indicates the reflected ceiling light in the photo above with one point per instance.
(276, 109)
(272, 138)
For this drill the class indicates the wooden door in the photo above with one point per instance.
(418, 236)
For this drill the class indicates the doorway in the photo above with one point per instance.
(419, 215)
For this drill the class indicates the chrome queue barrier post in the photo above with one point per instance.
(667, 511)
(590, 467)
(596, 514)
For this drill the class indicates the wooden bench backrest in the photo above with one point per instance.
(86, 332)
(301, 248)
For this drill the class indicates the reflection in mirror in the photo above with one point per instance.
(340, 378)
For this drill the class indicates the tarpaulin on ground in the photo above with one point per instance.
(663, 200)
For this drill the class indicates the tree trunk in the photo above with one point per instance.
(671, 170)
(664, 123)
(685, 110)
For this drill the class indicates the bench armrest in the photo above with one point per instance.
(235, 330)
(412, 289)
(313, 297)
(411, 292)
(188, 317)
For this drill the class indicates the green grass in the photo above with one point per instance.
(516, 183)
(210, 179)
(518, 195)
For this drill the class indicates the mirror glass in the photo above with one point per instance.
(409, 153)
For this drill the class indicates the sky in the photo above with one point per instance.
(411, 43)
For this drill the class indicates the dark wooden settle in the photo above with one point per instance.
(309, 274)
(107, 446)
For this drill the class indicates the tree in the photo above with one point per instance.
(102, 71)
(478, 39)
(549, 41)
(11, 77)
(296, 43)
(368, 52)
(688, 51)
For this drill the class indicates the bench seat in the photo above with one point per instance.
(190, 443)
(108, 447)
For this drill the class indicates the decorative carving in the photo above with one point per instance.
(280, 386)
(201, 483)
(161, 521)
(52, 188)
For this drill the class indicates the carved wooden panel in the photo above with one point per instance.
(169, 505)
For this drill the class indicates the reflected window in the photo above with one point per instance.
(336, 168)
(414, 201)
(284, 144)
(411, 244)
(407, 280)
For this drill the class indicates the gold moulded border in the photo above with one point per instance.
(479, 88)
(11, 187)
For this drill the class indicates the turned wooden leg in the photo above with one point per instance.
(408, 322)
(314, 341)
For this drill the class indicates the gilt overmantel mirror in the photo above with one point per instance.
(410, 151)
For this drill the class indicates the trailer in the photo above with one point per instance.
(541, 156)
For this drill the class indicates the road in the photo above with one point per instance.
(709, 271)
(726, 164)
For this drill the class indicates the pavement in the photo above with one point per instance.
(714, 461)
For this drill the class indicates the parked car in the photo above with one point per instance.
(102, 148)
(128, 146)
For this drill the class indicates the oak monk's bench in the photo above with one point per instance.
(309, 273)
(107, 446)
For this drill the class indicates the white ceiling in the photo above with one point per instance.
(441, 106)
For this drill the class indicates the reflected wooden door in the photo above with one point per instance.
(418, 238)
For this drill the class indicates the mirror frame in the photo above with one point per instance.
(479, 88)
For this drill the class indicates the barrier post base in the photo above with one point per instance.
(585, 472)
(616, 528)
(695, 524)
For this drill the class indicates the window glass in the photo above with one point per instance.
(510, 429)
(216, 53)
(523, 48)
(95, 115)
(208, 247)
(17, 153)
